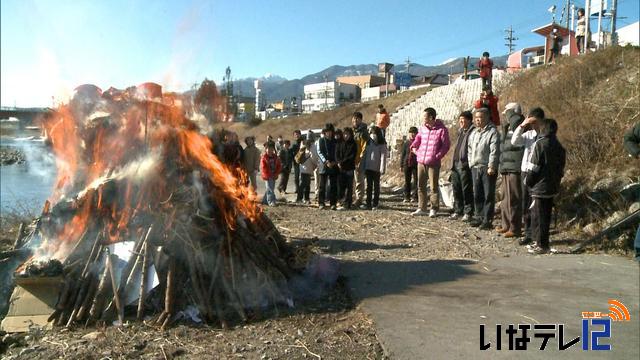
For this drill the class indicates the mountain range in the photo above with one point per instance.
(276, 88)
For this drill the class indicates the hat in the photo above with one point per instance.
(512, 106)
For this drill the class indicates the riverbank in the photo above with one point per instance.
(11, 156)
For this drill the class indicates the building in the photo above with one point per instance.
(378, 92)
(362, 81)
(328, 95)
(430, 81)
(629, 35)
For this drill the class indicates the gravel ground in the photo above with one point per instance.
(329, 327)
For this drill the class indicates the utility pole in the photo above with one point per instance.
(408, 62)
(587, 15)
(614, 36)
(510, 39)
(567, 11)
(326, 91)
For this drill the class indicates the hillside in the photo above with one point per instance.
(340, 117)
(277, 88)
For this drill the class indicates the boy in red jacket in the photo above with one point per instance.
(489, 101)
(270, 167)
(485, 65)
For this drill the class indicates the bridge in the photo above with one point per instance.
(27, 116)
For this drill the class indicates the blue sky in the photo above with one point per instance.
(50, 46)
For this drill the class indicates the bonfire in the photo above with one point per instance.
(146, 221)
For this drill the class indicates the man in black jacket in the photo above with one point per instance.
(461, 180)
(295, 147)
(547, 168)
(510, 164)
(409, 165)
(286, 158)
(346, 159)
(328, 168)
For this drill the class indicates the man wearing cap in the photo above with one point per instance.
(510, 164)
(461, 180)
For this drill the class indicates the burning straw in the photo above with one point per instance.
(134, 170)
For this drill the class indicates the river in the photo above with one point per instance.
(25, 187)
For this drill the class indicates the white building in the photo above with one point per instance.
(629, 35)
(328, 95)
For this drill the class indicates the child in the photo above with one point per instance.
(409, 166)
(270, 167)
(346, 158)
(485, 65)
(375, 164)
(305, 159)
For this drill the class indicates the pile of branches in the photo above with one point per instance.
(187, 221)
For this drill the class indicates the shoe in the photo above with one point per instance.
(341, 208)
(485, 226)
(500, 230)
(454, 216)
(357, 204)
(363, 207)
(321, 206)
(432, 213)
(466, 218)
(374, 208)
(537, 250)
(525, 241)
(406, 200)
(333, 207)
(511, 234)
(475, 223)
(419, 212)
(307, 202)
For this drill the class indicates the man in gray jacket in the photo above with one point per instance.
(510, 163)
(484, 158)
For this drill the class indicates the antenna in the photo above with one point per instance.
(510, 39)
(408, 62)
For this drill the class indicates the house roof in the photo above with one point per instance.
(547, 29)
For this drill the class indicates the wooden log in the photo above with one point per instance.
(18, 243)
(97, 305)
(169, 297)
(143, 282)
(119, 308)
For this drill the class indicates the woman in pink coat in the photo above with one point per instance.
(430, 146)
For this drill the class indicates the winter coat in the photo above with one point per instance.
(327, 153)
(581, 27)
(293, 150)
(526, 139)
(375, 158)
(270, 166)
(285, 159)
(251, 159)
(486, 67)
(361, 137)
(408, 159)
(305, 159)
(548, 159)
(632, 141)
(511, 155)
(383, 120)
(492, 105)
(484, 147)
(346, 155)
(233, 154)
(432, 143)
(460, 159)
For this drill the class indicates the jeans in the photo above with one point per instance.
(541, 221)
(410, 182)
(296, 175)
(526, 204)
(373, 186)
(360, 184)
(511, 204)
(462, 184)
(305, 187)
(284, 179)
(332, 179)
(484, 193)
(345, 188)
(430, 174)
(269, 197)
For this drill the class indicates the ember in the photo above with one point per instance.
(144, 217)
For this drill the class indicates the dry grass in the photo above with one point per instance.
(595, 99)
(340, 117)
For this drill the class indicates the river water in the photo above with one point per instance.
(25, 187)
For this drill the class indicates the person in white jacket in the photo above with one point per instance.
(526, 135)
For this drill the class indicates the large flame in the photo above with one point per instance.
(119, 154)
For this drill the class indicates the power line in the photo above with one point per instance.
(510, 39)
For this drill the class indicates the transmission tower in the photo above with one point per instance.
(510, 39)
